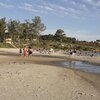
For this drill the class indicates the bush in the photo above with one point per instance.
(5, 45)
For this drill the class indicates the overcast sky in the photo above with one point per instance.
(78, 18)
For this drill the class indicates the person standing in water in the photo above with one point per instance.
(25, 51)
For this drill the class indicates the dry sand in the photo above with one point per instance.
(31, 78)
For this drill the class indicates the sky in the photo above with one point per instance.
(78, 18)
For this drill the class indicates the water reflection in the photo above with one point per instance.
(82, 66)
(70, 63)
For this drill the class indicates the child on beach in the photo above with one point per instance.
(29, 51)
(24, 51)
(20, 51)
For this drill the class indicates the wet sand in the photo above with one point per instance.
(35, 78)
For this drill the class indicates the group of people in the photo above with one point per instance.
(25, 51)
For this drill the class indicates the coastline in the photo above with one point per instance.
(89, 59)
(28, 78)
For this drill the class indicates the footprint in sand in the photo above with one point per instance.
(14, 62)
(0, 76)
(18, 73)
(78, 95)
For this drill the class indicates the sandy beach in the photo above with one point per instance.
(34, 78)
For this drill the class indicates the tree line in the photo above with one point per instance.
(29, 32)
(16, 30)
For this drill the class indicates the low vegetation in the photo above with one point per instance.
(5, 45)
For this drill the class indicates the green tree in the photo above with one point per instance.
(26, 29)
(2, 29)
(14, 29)
(98, 41)
(33, 29)
(37, 26)
(59, 35)
(59, 32)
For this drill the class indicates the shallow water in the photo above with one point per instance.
(83, 66)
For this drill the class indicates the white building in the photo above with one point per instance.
(8, 40)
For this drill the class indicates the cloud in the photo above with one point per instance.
(28, 9)
(45, 8)
(95, 3)
(31, 8)
(59, 7)
(48, 8)
(67, 8)
(6, 5)
(27, 5)
(72, 8)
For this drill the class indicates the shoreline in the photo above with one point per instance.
(15, 52)
(28, 78)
